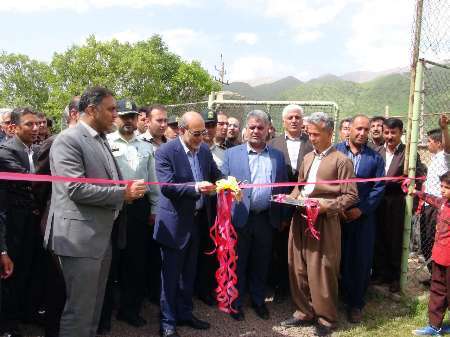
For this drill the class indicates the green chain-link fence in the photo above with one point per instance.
(432, 42)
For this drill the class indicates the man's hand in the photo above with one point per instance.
(7, 266)
(135, 190)
(323, 206)
(352, 214)
(206, 187)
(443, 122)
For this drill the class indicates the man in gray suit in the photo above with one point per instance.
(81, 216)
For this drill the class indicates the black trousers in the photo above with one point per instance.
(358, 240)
(21, 240)
(389, 238)
(134, 258)
(55, 292)
(279, 273)
(207, 263)
(178, 272)
(254, 250)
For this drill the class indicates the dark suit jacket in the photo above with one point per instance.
(279, 143)
(236, 164)
(41, 189)
(13, 158)
(396, 169)
(175, 216)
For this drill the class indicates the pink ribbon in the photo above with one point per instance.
(224, 237)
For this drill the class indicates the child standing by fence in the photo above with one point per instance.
(440, 276)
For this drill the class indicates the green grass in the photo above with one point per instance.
(384, 317)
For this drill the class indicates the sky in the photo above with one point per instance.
(259, 39)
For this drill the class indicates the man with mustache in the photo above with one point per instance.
(135, 159)
(358, 234)
(294, 144)
(376, 132)
(314, 264)
(391, 212)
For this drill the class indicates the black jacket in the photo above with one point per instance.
(14, 194)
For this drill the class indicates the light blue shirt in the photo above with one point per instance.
(261, 173)
(135, 159)
(195, 168)
(355, 158)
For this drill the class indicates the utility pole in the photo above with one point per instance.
(222, 72)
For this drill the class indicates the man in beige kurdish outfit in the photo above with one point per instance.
(314, 264)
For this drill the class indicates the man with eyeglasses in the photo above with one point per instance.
(186, 160)
(18, 155)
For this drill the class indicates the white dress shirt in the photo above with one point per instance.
(389, 157)
(312, 175)
(293, 146)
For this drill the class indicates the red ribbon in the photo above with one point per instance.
(224, 237)
(312, 212)
(50, 178)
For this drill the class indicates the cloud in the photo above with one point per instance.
(182, 40)
(126, 36)
(247, 38)
(83, 5)
(381, 38)
(254, 67)
(304, 18)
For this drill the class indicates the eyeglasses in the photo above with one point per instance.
(198, 133)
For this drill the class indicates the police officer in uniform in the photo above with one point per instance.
(135, 159)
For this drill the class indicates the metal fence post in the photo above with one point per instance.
(418, 88)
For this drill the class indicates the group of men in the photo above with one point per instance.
(152, 238)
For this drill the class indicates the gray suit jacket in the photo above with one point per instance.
(81, 216)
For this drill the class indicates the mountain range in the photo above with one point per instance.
(351, 93)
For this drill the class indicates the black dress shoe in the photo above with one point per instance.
(168, 333)
(238, 315)
(293, 322)
(261, 311)
(194, 323)
(136, 321)
(322, 330)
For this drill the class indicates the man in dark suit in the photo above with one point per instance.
(19, 155)
(81, 218)
(255, 217)
(391, 212)
(180, 211)
(295, 145)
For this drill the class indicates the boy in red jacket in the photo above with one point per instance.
(440, 275)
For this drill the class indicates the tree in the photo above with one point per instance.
(23, 82)
(145, 71)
